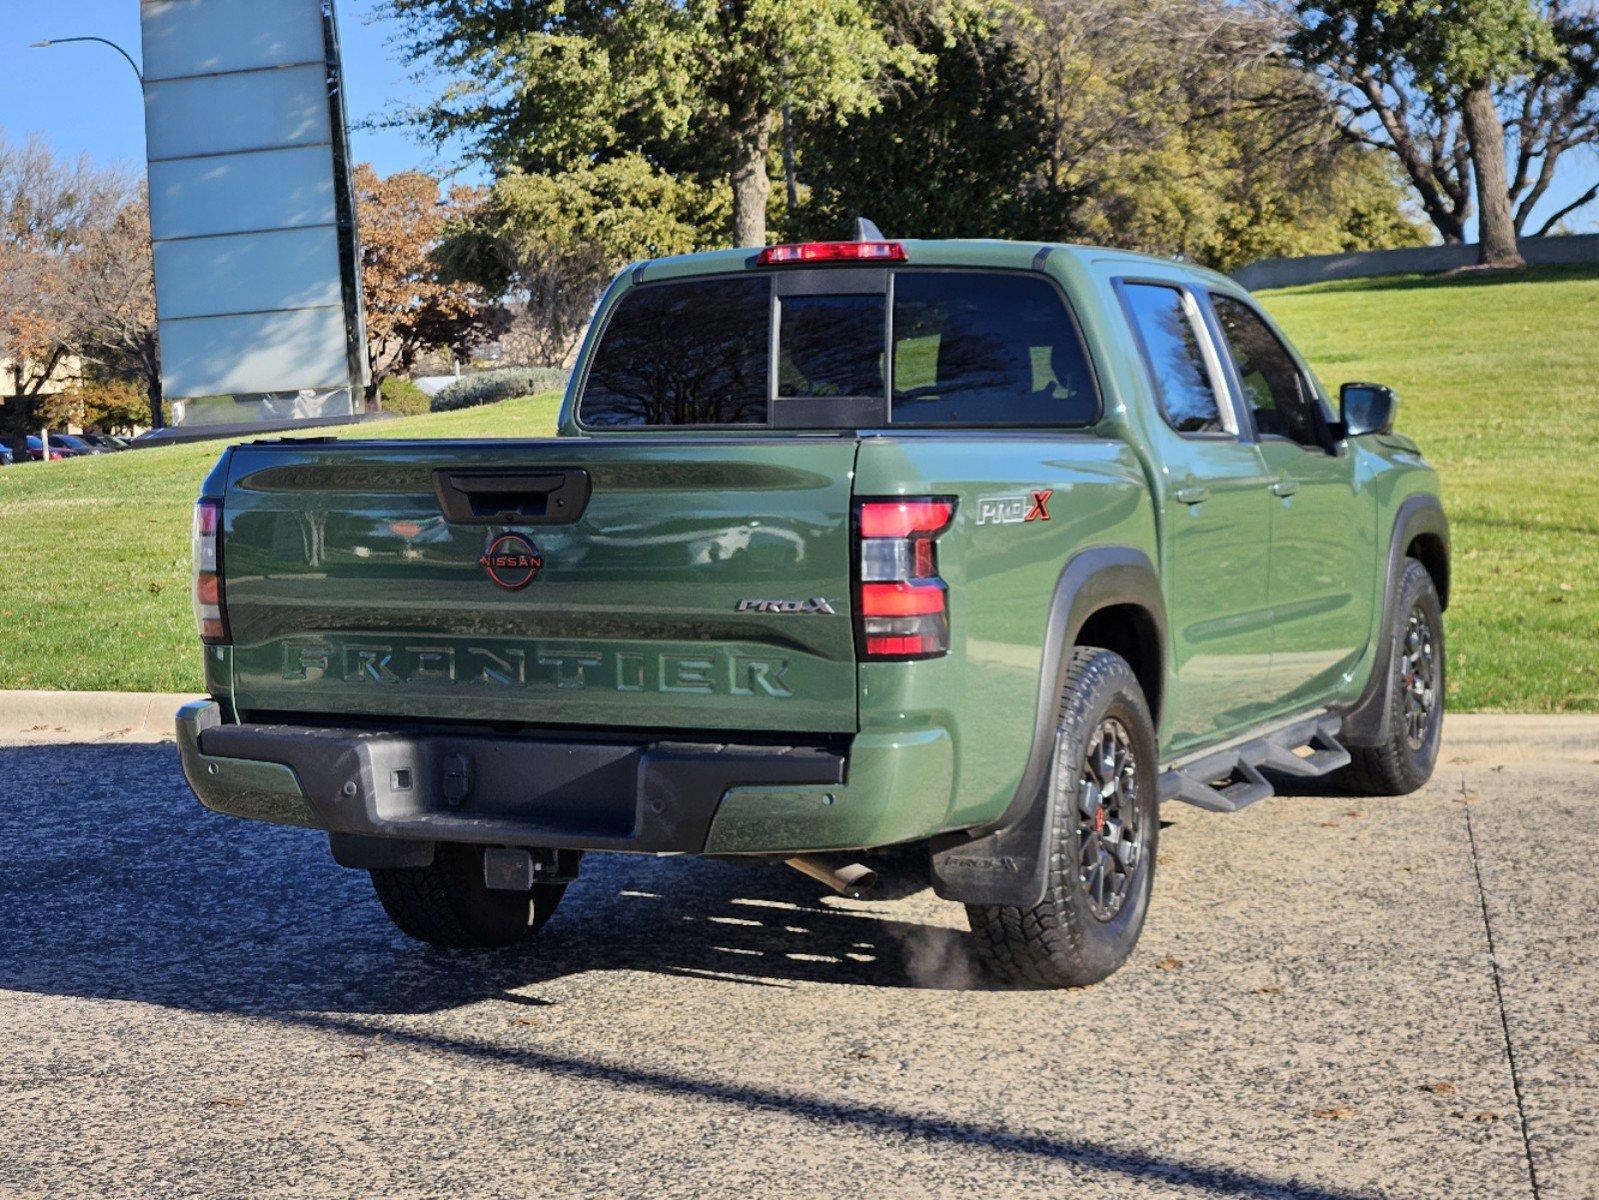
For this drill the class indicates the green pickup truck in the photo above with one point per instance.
(980, 550)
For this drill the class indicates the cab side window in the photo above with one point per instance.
(1274, 387)
(1174, 356)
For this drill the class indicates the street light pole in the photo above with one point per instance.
(155, 406)
(103, 41)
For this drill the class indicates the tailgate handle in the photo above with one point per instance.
(487, 497)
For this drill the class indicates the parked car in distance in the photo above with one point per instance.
(982, 549)
(57, 453)
(5, 455)
(74, 444)
(104, 442)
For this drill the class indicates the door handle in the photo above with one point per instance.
(490, 497)
(1193, 495)
(1285, 487)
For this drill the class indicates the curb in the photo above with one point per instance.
(125, 716)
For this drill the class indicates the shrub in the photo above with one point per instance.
(402, 396)
(489, 387)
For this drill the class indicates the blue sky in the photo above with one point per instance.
(84, 98)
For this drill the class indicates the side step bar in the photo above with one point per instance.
(1230, 779)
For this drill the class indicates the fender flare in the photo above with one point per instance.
(1367, 719)
(1006, 861)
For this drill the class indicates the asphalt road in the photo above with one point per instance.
(1333, 999)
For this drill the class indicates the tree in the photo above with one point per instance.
(31, 350)
(52, 216)
(695, 86)
(1554, 109)
(1183, 132)
(974, 113)
(1465, 51)
(412, 306)
(111, 308)
(549, 242)
(1475, 99)
(1169, 126)
(1123, 77)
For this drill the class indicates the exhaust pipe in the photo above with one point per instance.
(853, 881)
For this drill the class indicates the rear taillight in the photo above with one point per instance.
(901, 605)
(210, 612)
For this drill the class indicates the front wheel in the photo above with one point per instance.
(1403, 761)
(1101, 843)
(447, 903)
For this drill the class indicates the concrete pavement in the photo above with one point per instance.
(1333, 999)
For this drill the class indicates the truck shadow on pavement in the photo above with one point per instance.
(122, 886)
(119, 886)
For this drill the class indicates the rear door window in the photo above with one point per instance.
(981, 348)
(690, 352)
(1175, 355)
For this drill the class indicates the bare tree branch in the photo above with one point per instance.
(1555, 218)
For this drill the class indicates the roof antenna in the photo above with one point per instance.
(866, 231)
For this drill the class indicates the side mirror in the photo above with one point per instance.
(1366, 408)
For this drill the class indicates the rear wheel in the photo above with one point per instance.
(1102, 842)
(447, 903)
(1404, 760)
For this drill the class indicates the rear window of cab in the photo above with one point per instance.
(913, 347)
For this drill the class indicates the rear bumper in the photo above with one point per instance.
(559, 793)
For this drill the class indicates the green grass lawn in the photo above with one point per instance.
(1498, 379)
(94, 591)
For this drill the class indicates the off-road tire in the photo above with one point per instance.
(447, 904)
(1061, 942)
(1395, 767)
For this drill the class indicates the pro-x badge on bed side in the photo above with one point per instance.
(1014, 510)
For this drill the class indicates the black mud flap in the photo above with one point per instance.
(1008, 867)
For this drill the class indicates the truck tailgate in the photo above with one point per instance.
(350, 591)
